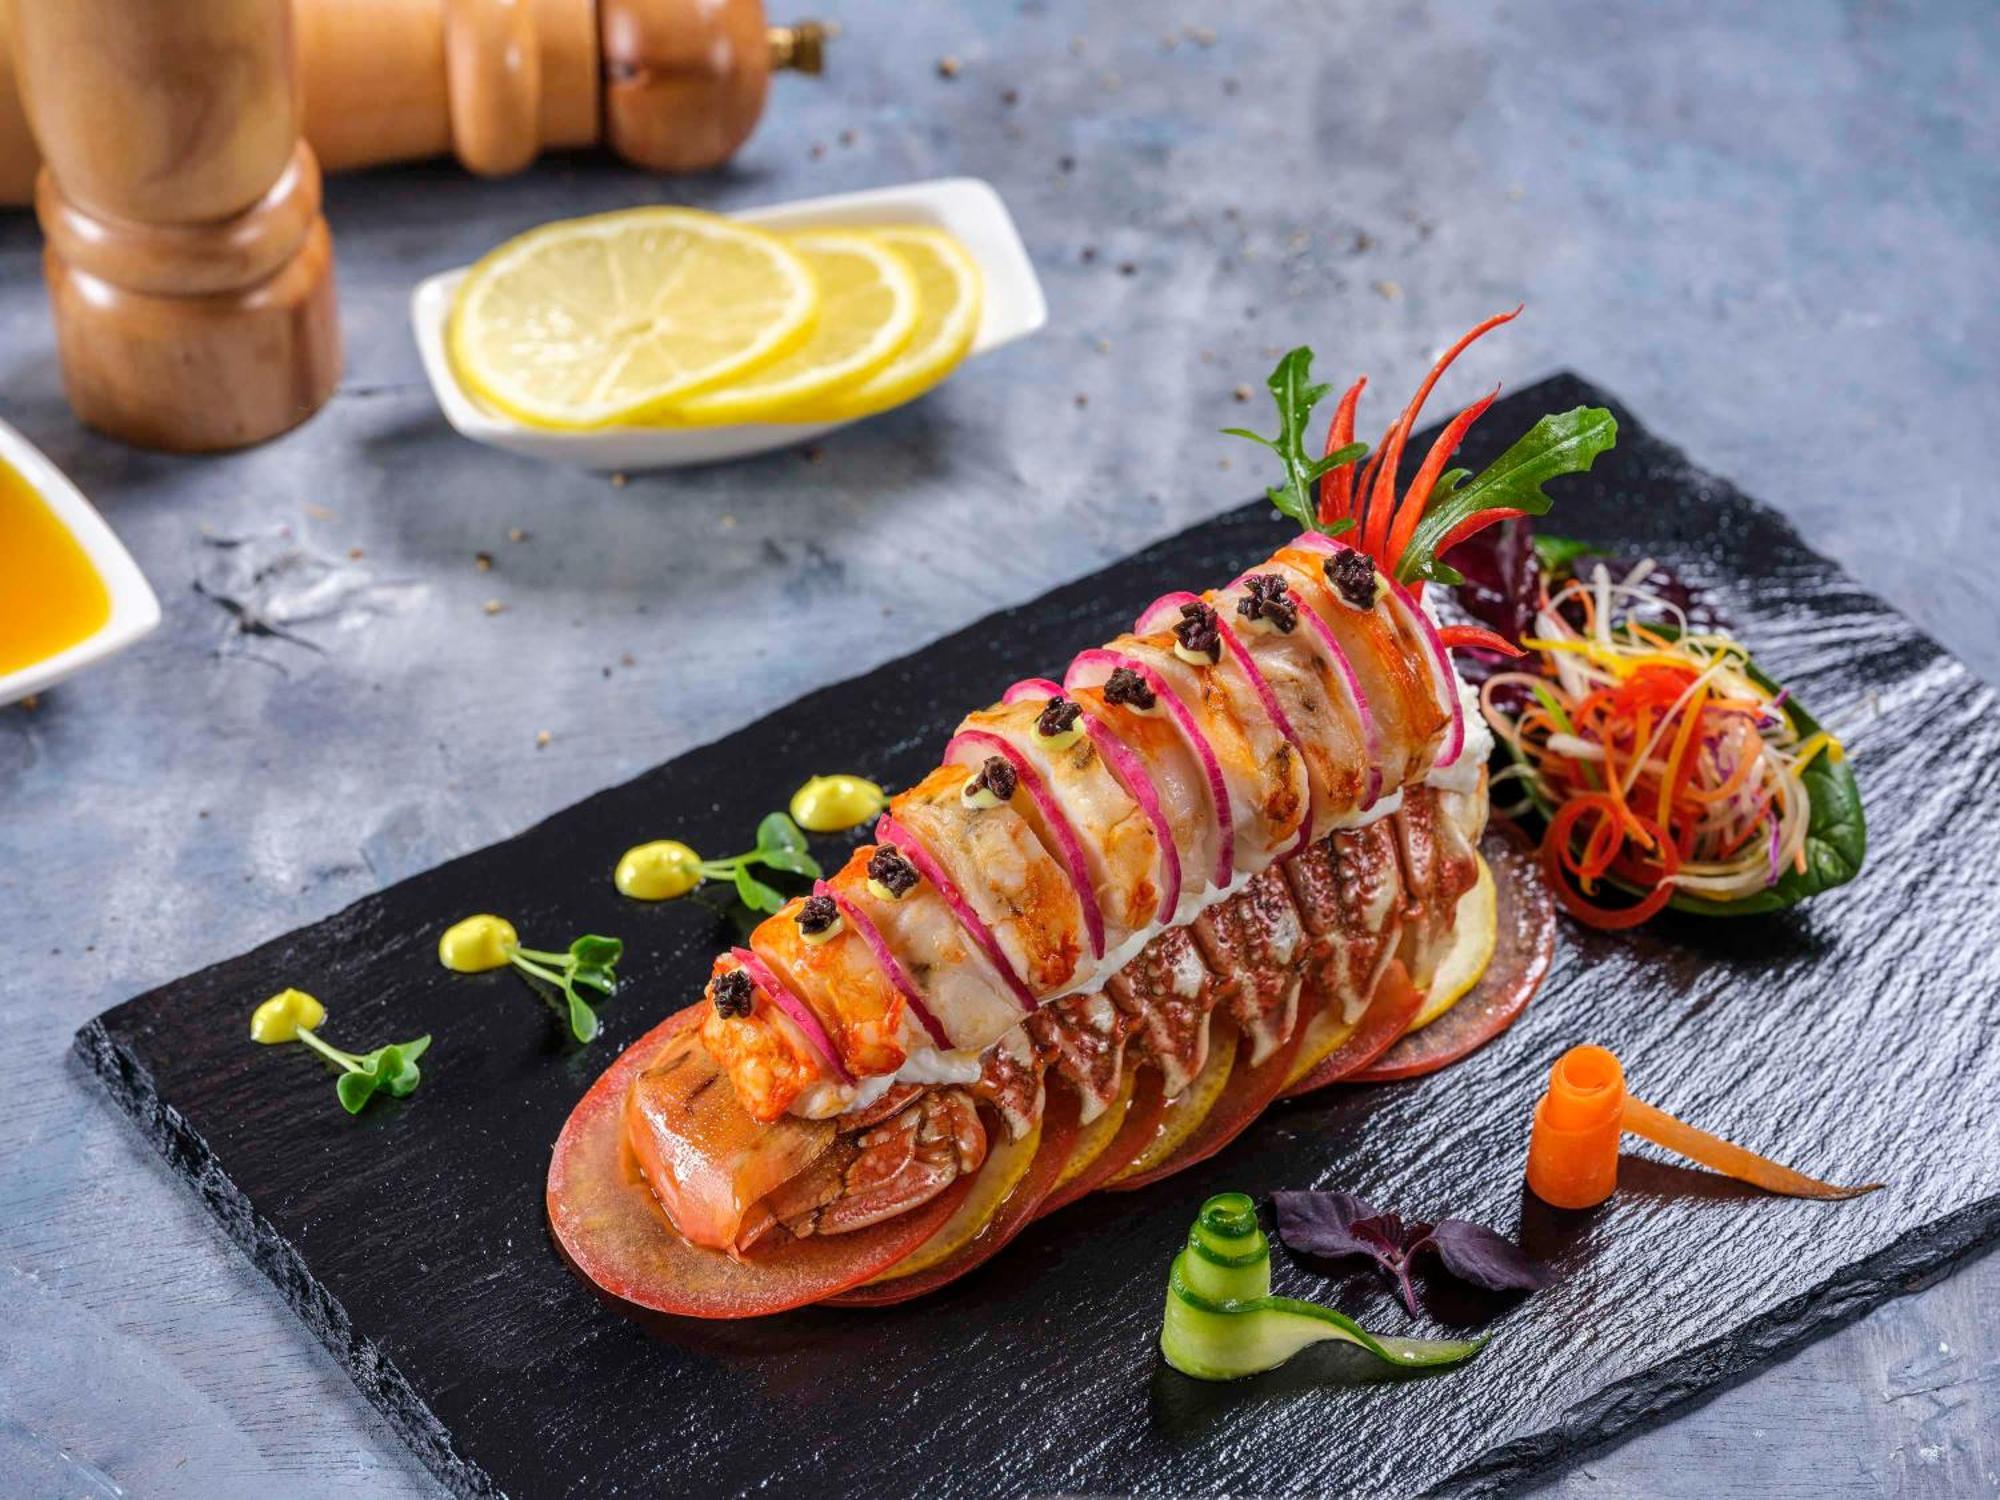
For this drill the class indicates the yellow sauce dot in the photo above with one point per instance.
(658, 871)
(832, 804)
(282, 1017)
(477, 944)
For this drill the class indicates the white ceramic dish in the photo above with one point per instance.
(134, 608)
(966, 206)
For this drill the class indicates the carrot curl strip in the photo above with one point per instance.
(1573, 1150)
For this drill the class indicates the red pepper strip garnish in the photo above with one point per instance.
(1404, 524)
(1383, 501)
(1473, 524)
(1336, 486)
(1455, 636)
(1556, 843)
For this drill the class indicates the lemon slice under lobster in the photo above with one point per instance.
(952, 295)
(1475, 933)
(611, 318)
(868, 310)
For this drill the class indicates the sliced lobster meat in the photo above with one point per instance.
(1083, 1038)
(1112, 836)
(1170, 992)
(1255, 945)
(613, 1231)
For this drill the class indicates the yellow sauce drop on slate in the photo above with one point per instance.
(832, 804)
(658, 871)
(477, 944)
(282, 1017)
(50, 596)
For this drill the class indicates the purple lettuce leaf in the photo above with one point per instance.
(1474, 1253)
(1323, 1223)
(1335, 1225)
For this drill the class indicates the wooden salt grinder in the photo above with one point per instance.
(188, 262)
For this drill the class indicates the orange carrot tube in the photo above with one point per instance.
(1573, 1147)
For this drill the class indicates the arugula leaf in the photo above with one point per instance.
(1292, 388)
(1561, 443)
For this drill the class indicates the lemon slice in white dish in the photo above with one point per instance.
(607, 319)
(949, 285)
(868, 309)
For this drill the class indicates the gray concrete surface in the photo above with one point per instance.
(1769, 227)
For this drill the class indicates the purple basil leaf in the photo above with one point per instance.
(1474, 1253)
(1323, 1223)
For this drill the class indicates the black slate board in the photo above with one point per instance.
(1856, 1033)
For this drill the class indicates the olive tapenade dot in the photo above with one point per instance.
(1129, 688)
(997, 778)
(733, 994)
(1265, 599)
(1199, 632)
(817, 914)
(895, 874)
(1352, 575)
(1058, 717)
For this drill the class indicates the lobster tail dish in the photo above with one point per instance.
(1230, 856)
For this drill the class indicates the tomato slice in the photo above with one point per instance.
(1521, 959)
(612, 1230)
(1142, 1125)
(1059, 1130)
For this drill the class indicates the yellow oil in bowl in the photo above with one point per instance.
(51, 596)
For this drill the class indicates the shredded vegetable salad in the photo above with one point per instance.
(1665, 762)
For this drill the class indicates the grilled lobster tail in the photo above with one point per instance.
(1222, 861)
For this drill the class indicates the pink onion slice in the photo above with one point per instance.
(985, 744)
(1315, 541)
(899, 977)
(1134, 777)
(1442, 676)
(1161, 614)
(800, 1013)
(889, 831)
(1093, 668)
(1438, 660)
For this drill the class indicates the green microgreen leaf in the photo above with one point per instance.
(590, 962)
(391, 1069)
(1292, 388)
(779, 832)
(1561, 443)
(756, 895)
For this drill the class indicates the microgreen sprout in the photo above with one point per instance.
(477, 944)
(781, 845)
(591, 963)
(295, 1016)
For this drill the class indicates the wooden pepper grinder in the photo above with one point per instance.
(670, 85)
(187, 259)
